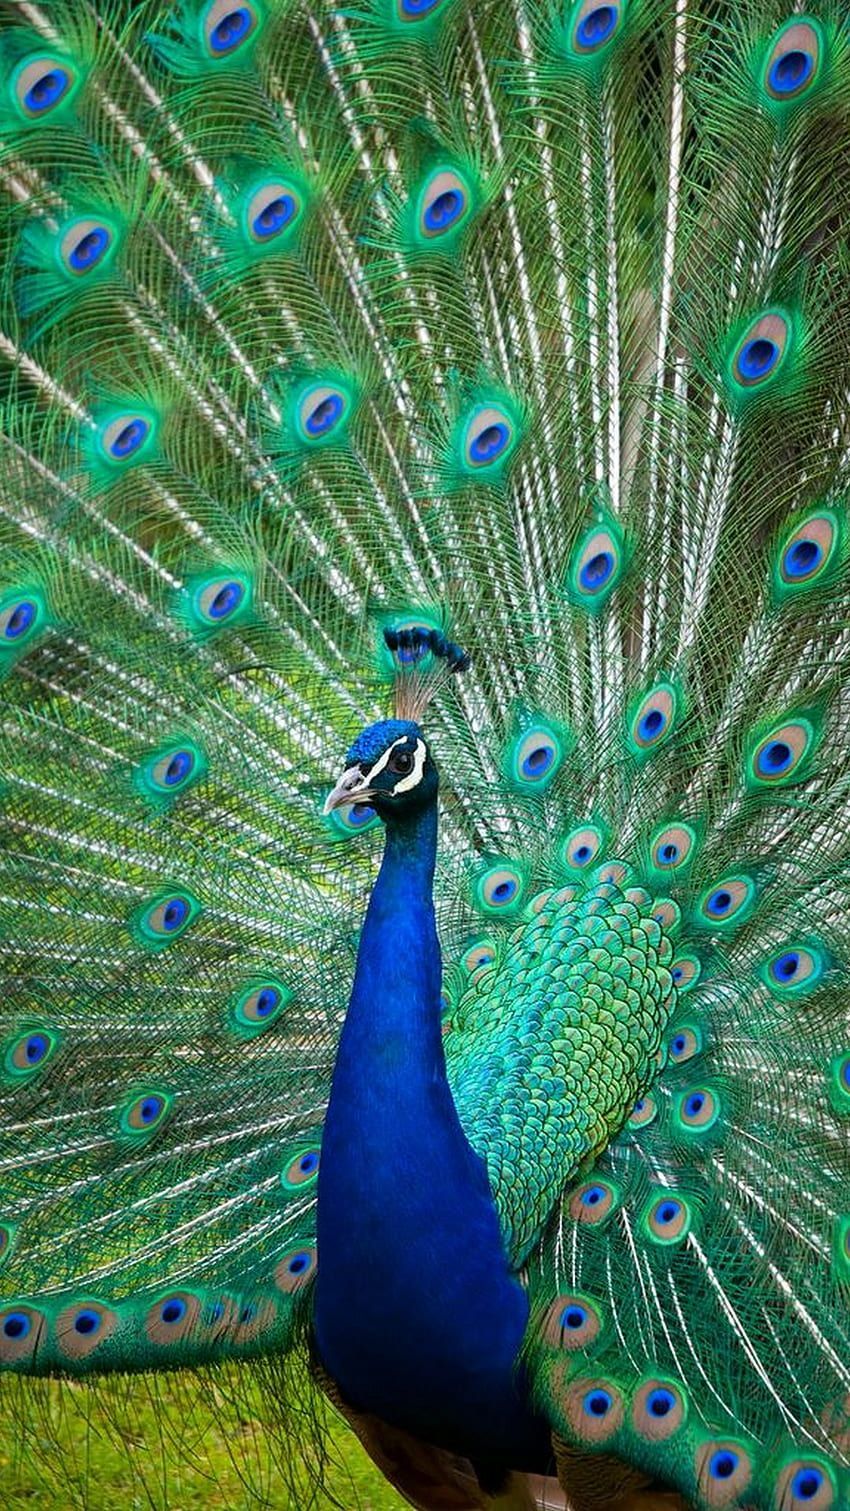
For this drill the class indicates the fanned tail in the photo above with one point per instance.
(520, 322)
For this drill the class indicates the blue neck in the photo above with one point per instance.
(417, 1316)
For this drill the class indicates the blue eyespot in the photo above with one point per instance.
(20, 619)
(299, 1263)
(88, 251)
(651, 725)
(267, 1001)
(785, 967)
(538, 761)
(719, 903)
(489, 443)
(36, 1048)
(47, 91)
(417, 8)
(130, 438)
(667, 1211)
(806, 1483)
(680, 1043)
(231, 30)
(16, 1325)
(790, 72)
(179, 767)
(593, 1195)
(597, 1403)
(325, 415)
(150, 1109)
(308, 1163)
(660, 1402)
(87, 1322)
(774, 758)
(597, 27)
(504, 891)
(228, 598)
(722, 1465)
(694, 1104)
(802, 558)
(174, 913)
(757, 358)
(173, 1310)
(273, 217)
(573, 1317)
(444, 210)
(595, 573)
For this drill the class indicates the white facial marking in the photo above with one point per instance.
(404, 784)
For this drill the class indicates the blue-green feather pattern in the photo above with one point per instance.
(526, 323)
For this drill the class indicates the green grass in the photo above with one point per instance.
(174, 1444)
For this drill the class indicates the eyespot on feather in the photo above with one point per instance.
(22, 616)
(258, 1005)
(145, 1114)
(489, 437)
(480, 954)
(658, 1410)
(782, 753)
(125, 438)
(216, 602)
(323, 410)
(672, 847)
(686, 971)
(761, 352)
(536, 755)
(653, 720)
(85, 245)
(696, 1110)
(499, 889)
(795, 969)
(839, 1082)
(593, 1201)
(21, 1331)
(302, 1169)
(724, 1469)
(841, 1249)
(805, 1484)
(83, 1326)
(809, 553)
(44, 84)
(595, 26)
(416, 10)
(444, 205)
(793, 61)
(173, 1318)
(272, 213)
(596, 567)
(728, 901)
(297, 1266)
(27, 1054)
(227, 28)
(167, 916)
(667, 1218)
(582, 846)
(594, 1409)
(685, 1043)
(643, 1113)
(571, 1322)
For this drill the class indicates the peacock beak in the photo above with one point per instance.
(352, 787)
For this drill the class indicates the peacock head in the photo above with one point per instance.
(389, 766)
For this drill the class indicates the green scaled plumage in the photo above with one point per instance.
(526, 324)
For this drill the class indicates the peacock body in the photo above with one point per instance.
(490, 362)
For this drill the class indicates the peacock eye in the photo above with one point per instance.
(401, 762)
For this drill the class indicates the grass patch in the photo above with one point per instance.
(172, 1443)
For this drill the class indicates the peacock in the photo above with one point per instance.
(424, 768)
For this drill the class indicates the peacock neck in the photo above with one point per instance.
(412, 1273)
